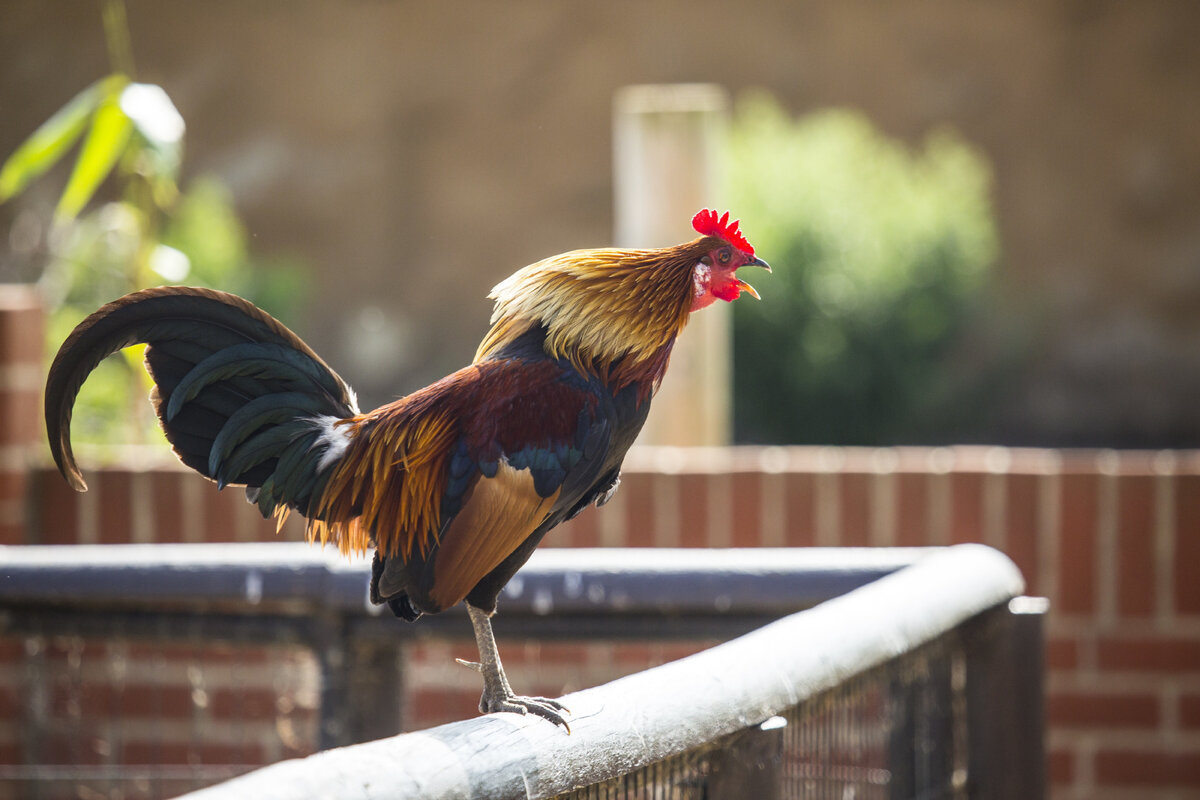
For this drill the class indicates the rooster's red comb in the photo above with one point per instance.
(707, 223)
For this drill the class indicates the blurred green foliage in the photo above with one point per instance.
(881, 254)
(130, 135)
(201, 242)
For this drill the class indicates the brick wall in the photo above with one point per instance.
(1112, 538)
(21, 377)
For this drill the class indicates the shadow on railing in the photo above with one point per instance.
(913, 673)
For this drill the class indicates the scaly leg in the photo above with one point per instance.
(497, 694)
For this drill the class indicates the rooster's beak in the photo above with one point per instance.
(747, 288)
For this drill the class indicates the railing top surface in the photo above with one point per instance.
(631, 580)
(652, 715)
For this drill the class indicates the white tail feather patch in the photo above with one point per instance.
(333, 439)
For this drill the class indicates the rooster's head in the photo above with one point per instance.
(715, 275)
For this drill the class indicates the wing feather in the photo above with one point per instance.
(499, 514)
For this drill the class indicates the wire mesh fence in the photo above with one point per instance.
(144, 715)
(897, 731)
(109, 700)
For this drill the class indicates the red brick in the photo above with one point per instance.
(583, 531)
(1077, 538)
(1021, 526)
(1092, 710)
(1135, 545)
(19, 416)
(22, 331)
(1060, 767)
(14, 485)
(167, 497)
(637, 495)
(57, 506)
(1148, 767)
(169, 752)
(549, 652)
(524, 654)
(116, 507)
(1147, 654)
(1189, 711)
(245, 703)
(912, 509)
(215, 654)
(747, 509)
(854, 490)
(220, 516)
(1187, 544)
(693, 510)
(799, 521)
(11, 753)
(586, 532)
(14, 533)
(1062, 654)
(12, 702)
(22, 325)
(635, 656)
(673, 651)
(106, 700)
(966, 507)
(424, 708)
(79, 748)
(12, 650)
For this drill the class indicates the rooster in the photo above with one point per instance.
(455, 484)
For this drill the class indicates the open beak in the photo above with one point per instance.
(747, 288)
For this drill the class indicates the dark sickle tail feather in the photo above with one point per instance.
(240, 397)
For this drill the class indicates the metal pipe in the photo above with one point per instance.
(656, 714)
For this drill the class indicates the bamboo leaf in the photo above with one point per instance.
(160, 130)
(155, 117)
(105, 142)
(46, 145)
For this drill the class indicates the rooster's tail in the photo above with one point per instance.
(241, 398)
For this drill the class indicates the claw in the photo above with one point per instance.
(544, 707)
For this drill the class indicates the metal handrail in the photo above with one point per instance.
(569, 580)
(662, 712)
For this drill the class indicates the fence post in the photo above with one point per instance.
(902, 737)
(329, 646)
(749, 764)
(1005, 701)
(361, 683)
(375, 690)
(666, 142)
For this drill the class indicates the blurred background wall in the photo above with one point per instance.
(412, 154)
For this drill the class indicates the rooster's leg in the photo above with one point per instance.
(497, 694)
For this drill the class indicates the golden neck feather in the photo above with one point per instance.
(602, 309)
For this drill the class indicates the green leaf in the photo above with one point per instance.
(158, 122)
(158, 148)
(46, 145)
(105, 142)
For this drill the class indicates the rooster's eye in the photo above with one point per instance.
(724, 256)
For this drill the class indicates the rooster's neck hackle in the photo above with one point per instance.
(609, 312)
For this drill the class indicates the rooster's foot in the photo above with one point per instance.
(543, 707)
(497, 694)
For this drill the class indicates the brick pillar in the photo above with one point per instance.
(22, 334)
